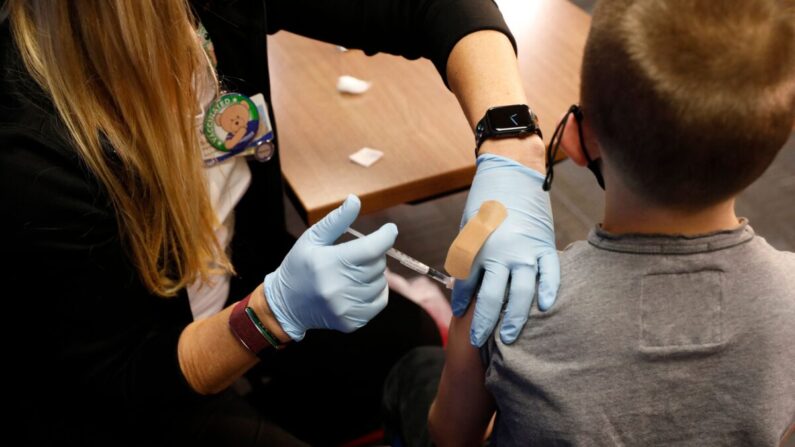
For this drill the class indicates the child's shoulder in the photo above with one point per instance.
(574, 248)
(576, 252)
(773, 259)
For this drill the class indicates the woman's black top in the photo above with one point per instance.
(90, 354)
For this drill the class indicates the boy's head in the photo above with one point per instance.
(690, 100)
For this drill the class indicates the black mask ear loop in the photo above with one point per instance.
(554, 145)
(593, 165)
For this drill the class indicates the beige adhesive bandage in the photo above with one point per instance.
(474, 234)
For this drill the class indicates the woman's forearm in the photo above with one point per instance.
(483, 72)
(210, 355)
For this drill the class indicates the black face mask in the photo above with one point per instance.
(554, 145)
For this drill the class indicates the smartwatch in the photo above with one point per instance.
(506, 121)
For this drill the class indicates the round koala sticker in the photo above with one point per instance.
(231, 122)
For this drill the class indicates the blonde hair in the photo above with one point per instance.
(127, 73)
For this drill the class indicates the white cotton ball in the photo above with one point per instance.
(349, 84)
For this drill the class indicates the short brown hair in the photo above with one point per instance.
(690, 99)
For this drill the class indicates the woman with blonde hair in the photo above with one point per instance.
(142, 208)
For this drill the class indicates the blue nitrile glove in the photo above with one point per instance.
(324, 286)
(520, 248)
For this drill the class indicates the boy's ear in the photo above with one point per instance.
(571, 144)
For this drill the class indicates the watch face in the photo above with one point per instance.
(510, 118)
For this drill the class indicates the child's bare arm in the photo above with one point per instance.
(463, 407)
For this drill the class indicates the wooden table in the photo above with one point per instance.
(408, 113)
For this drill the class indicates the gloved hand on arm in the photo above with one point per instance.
(324, 286)
(520, 249)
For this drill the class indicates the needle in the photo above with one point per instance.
(413, 264)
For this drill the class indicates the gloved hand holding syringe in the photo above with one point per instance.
(413, 264)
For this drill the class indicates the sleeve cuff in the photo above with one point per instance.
(451, 21)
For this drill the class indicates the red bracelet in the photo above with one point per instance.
(245, 330)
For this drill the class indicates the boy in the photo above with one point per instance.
(674, 323)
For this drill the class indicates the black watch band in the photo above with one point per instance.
(504, 122)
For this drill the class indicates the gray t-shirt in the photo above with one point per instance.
(654, 340)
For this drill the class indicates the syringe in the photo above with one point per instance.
(414, 264)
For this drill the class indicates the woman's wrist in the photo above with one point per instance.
(259, 303)
(528, 151)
